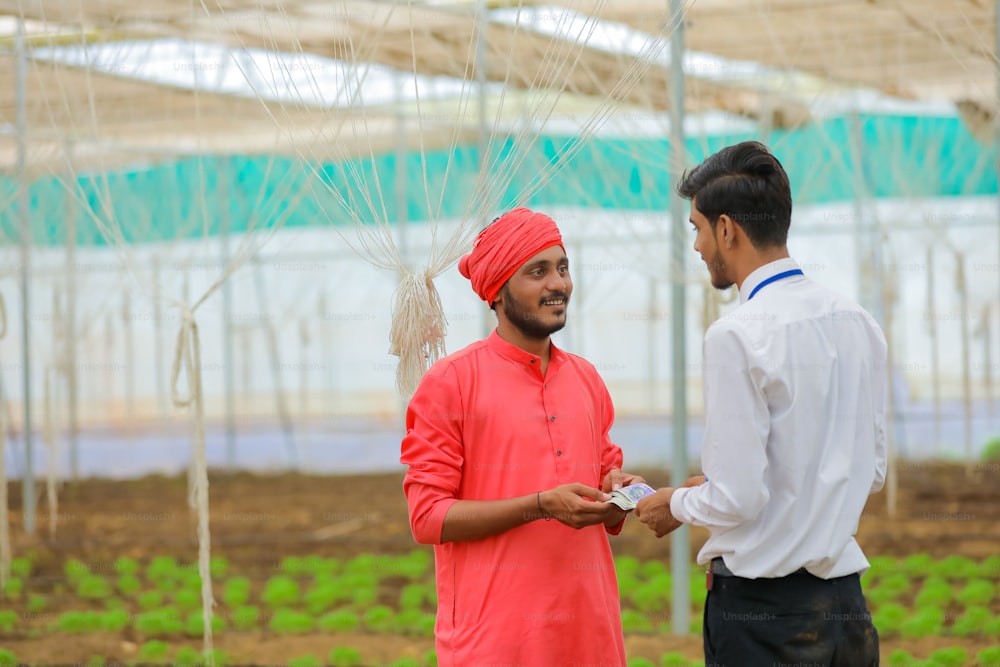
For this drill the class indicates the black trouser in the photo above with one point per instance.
(795, 620)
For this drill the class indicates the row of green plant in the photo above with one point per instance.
(160, 653)
(314, 594)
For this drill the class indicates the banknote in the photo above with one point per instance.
(628, 497)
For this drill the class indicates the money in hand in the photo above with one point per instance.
(628, 497)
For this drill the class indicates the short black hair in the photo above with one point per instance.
(746, 182)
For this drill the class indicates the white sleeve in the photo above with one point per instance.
(737, 424)
(880, 396)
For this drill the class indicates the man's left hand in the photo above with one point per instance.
(654, 511)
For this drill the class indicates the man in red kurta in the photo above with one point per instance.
(509, 464)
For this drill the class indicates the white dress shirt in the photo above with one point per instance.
(795, 397)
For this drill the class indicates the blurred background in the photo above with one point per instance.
(283, 168)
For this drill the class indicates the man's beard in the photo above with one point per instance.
(527, 322)
(715, 267)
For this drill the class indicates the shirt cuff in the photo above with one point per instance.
(677, 508)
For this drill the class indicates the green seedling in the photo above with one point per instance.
(236, 591)
(957, 567)
(36, 603)
(8, 621)
(989, 657)
(971, 622)
(8, 658)
(186, 598)
(245, 618)
(292, 566)
(321, 597)
(79, 622)
(674, 659)
(991, 628)
(20, 567)
(74, 570)
(990, 567)
(413, 596)
(406, 662)
(162, 567)
(954, 656)
(290, 622)
(188, 657)
(93, 587)
(13, 588)
(901, 658)
(652, 569)
(426, 624)
(976, 592)
(649, 598)
(338, 621)
(154, 651)
(305, 661)
(924, 623)
(163, 622)
(918, 564)
(115, 620)
(128, 584)
(126, 566)
(150, 600)
(281, 591)
(194, 626)
(217, 567)
(363, 597)
(889, 618)
(627, 565)
(407, 622)
(344, 656)
(431, 658)
(936, 592)
(640, 662)
(97, 661)
(379, 619)
(635, 622)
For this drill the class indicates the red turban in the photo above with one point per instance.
(504, 246)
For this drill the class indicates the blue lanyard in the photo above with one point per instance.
(785, 274)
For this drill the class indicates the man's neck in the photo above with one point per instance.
(757, 259)
(540, 348)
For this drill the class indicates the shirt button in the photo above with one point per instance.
(532, 361)
(558, 452)
(553, 417)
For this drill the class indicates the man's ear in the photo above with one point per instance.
(726, 227)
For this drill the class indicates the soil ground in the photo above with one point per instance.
(942, 509)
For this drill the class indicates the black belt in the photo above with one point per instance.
(718, 567)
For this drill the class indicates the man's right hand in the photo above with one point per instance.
(576, 505)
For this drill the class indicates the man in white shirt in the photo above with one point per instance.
(795, 394)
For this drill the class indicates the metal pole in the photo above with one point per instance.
(651, 345)
(680, 543)
(229, 370)
(963, 301)
(129, 358)
(161, 382)
(28, 488)
(71, 376)
(935, 362)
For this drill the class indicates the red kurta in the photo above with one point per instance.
(486, 425)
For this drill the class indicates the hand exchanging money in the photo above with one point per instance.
(654, 510)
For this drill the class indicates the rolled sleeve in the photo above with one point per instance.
(432, 449)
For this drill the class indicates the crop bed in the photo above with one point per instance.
(322, 570)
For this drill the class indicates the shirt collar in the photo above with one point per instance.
(514, 353)
(762, 273)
